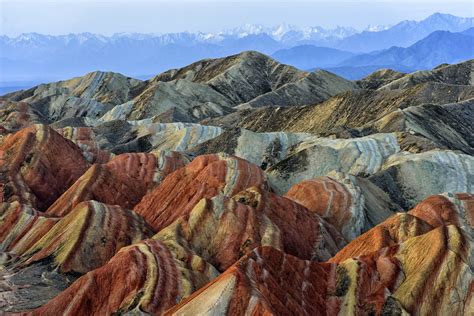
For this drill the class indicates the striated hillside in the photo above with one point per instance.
(208, 88)
(407, 104)
(239, 186)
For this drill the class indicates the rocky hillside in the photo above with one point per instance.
(239, 186)
(429, 106)
(208, 88)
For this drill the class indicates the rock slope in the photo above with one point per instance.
(205, 177)
(391, 278)
(239, 186)
(37, 165)
(208, 88)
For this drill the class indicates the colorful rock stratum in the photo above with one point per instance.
(239, 186)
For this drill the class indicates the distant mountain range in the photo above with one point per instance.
(437, 48)
(405, 33)
(36, 57)
(309, 56)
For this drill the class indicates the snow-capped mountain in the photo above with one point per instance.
(405, 33)
(33, 55)
(289, 33)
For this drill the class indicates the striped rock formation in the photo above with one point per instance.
(205, 177)
(434, 211)
(186, 245)
(435, 272)
(267, 281)
(21, 226)
(270, 282)
(221, 230)
(190, 102)
(353, 205)
(17, 115)
(410, 178)
(107, 88)
(293, 221)
(123, 181)
(142, 278)
(266, 148)
(176, 137)
(37, 165)
(391, 232)
(88, 142)
(316, 157)
(445, 126)
(88, 237)
(426, 274)
(133, 136)
(447, 209)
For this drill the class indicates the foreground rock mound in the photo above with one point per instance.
(205, 177)
(416, 273)
(144, 277)
(297, 193)
(221, 230)
(123, 181)
(88, 237)
(353, 205)
(37, 165)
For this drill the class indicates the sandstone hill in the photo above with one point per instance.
(238, 186)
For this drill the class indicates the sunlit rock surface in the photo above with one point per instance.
(353, 205)
(418, 274)
(205, 177)
(37, 165)
(123, 181)
(238, 186)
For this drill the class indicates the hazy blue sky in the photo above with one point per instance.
(163, 16)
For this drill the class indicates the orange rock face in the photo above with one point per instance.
(84, 138)
(326, 197)
(440, 210)
(270, 282)
(393, 280)
(403, 265)
(142, 277)
(303, 233)
(351, 204)
(123, 181)
(393, 231)
(221, 230)
(21, 226)
(434, 211)
(88, 237)
(205, 177)
(210, 237)
(37, 165)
